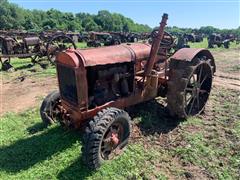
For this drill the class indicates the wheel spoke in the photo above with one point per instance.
(193, 101)
(194, 80)
(188, 100)
(200, 74)
(203, 80)
(198, 104)
(203, 91)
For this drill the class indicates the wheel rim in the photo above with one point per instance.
(197, 90)
(57, 45)
(111, 140)
(55, 111)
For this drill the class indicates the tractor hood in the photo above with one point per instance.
(104, 55)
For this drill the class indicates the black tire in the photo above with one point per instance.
(95, 137)
(189, 86)
(48, 110)
(6, 66)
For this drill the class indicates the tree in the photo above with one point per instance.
(92, 26)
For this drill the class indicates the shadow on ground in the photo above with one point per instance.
(152, 117)
(27, 152)
(43, 63)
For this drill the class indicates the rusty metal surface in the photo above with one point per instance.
(106, 55)
(187, 54)
(155, 46)
(69, 58)
(29, 41)
(78, 117)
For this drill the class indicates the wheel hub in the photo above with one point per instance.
(114, 139)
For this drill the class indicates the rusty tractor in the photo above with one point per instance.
(97, 84)
(97, 39)
(32, 46)
(214, 39)
(193, 37)
(181, 42)
(220, 40)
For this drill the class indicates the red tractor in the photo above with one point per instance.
(97, 84)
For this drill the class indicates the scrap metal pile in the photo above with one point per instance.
(220, 40)
(32, 45)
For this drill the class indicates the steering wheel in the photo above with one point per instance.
(167, 40)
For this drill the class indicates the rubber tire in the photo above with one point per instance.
(180, 71)
(47, 106)
(95, 132)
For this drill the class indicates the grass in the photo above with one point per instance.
(200, 147)
(32, 151)
(81, 45)
(204, 44)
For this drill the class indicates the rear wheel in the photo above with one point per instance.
(6, 66)
(57, 44)
(107, 133)
(49, 110)
(189, 87)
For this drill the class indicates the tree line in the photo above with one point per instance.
(206, 30)
(14, 17)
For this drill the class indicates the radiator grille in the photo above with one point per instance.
(67, 83)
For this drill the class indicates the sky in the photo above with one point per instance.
(182, 13)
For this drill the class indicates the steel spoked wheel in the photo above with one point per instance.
(105, 136)
(58, 44)
(198, 89)
(189, 87)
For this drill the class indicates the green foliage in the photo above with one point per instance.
(14, 17)
(206, 30)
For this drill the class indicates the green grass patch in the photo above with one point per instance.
(31, 151)
(81, 45)
(204, 44)
(214, 144)
(24, 67)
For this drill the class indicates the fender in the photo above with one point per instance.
(188, 54)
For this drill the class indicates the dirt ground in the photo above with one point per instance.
(228, 69)
(20, 93)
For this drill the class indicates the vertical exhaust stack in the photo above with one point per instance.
(156, 45)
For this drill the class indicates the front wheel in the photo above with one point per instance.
(106, 134)
(49, 110)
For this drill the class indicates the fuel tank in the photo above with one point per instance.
(104, 55)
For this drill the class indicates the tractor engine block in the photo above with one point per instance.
(109, 82)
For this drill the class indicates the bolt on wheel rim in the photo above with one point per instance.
(112, 138)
